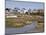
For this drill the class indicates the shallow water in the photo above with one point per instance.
(21, 30)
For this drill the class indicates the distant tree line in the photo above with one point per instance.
(39, 11)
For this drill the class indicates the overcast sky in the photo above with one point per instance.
(27, 5)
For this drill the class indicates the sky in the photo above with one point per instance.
(12, 4)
